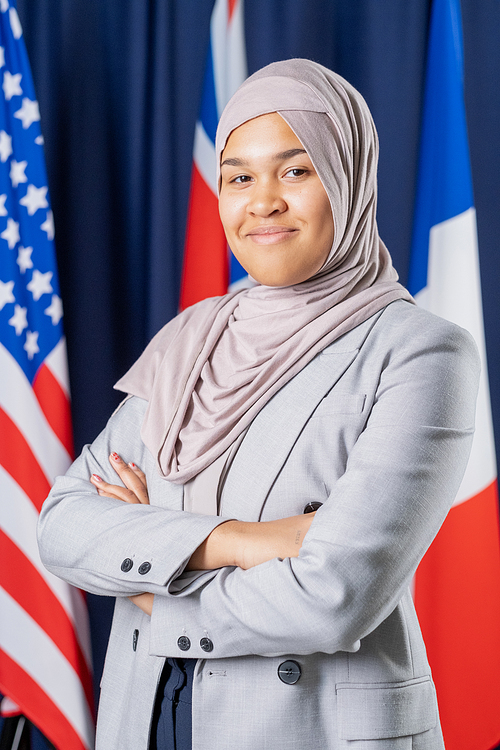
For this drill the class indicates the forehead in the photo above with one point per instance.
(261, 135)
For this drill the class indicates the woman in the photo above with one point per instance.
(323, 389)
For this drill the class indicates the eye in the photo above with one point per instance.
(296, 172)
(241, 179)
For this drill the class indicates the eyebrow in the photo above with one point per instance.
(235, 162)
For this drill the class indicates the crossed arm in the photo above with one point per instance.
(234, 543)
(356, 558)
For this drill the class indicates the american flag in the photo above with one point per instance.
(45, 661)
(208, 267)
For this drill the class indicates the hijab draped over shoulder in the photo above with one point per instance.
(209, 372)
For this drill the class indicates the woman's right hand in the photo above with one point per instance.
(135, 490)
(246, 544)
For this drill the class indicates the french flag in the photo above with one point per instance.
(457, 586)
(209, 269)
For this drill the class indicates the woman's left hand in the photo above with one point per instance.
(135, 491)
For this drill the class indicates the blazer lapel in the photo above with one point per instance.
(273, 432)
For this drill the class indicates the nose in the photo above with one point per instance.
(266, 199)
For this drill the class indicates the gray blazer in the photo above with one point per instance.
(378, 428)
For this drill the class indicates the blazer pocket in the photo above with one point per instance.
(385, 710)
(340, 403)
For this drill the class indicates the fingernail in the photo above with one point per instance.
(132, 466)
(96, 477)
(115, 456)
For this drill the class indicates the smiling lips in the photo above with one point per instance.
(270, 235)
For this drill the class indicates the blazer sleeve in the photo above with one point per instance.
(366, 541)
(109, 547)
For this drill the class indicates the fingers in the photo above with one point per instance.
(138, 472)
(132, 477)
(135, 490)
(114, 491)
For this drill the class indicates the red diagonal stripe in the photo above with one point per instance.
(31, 591)
(231, 6)
(37, 706)
(19, 461)
(55, 406)
(206, 266)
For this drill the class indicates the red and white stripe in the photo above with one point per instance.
(206, 259)
(45, 658)
(457, 586)
(227, 38)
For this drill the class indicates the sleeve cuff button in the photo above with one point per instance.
(206, 645)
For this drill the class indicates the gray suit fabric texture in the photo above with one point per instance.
(377, 428)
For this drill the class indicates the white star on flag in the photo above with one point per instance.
(29, 112)
(55, 310)
(18, 320)
(11, 85)
(24, 258)
(6, 295)
(17, 172)
(34, 199)
(5, 145)
(40, 284)
(57, 699)
(2, 57)
(11, 233)
(48, 225)
(31, 345)
(15, 23)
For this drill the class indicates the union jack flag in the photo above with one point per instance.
(45, 661)
(209, 269)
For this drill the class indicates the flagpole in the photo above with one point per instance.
(15, 733)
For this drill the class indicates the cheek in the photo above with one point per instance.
(230, 212)
(317, 209)
(325, 219)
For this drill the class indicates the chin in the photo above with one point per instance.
(275, 279)
(281, 284)
(272, 281)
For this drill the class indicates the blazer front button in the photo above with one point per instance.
(135, 638)
(144, 568)
(311, 507)
(127, 565)
(207, 645)
(289, 672)
(184, 643)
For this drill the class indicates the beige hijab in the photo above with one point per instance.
(209, 372)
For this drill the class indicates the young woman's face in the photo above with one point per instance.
(275, 211)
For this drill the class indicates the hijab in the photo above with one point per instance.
(209, 372)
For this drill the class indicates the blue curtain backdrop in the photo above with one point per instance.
(119, 83)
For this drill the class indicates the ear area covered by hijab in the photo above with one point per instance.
(208, 372)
